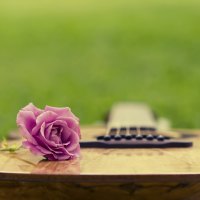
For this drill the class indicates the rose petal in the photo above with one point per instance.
(74, 142)
(48, 145)
(62, 112)
(65, 132)
(50, 141)
(23, 131)
(47, 131)
(71, 123)
(32, 108)
(77, 150)
(65, 155)
(26, 119)
(50, 157)
(46, 117)
(45, 142)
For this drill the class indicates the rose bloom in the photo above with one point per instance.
(53, 132)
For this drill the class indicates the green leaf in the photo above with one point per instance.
(10, 148)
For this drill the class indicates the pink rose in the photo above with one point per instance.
(53, 132)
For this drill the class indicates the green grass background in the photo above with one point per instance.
(89, 54)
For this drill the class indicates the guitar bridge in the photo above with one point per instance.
(131, 138)
(134, 126)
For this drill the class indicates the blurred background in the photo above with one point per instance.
(89, 54)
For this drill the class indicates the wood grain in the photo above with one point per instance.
(105, 173)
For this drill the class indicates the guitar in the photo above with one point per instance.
(141, 170)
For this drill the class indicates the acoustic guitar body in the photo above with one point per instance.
(105, 173)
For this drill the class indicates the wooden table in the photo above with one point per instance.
(104, 173)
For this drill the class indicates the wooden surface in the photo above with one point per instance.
(104, 173)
